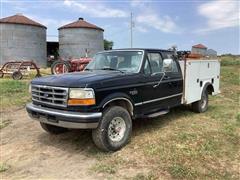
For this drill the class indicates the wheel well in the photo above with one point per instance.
(120, 102)
(210, 89)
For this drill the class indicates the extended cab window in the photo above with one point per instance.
(170, 67)
(156, 62)
(147, 69)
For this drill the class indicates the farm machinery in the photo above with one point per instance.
(18, 69)
(71, 65)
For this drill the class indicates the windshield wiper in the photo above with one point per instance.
(112, 69)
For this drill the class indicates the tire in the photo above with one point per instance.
(53, 129)
(106, 137)
(17, 75)
(55, 67)
(1, 74)
(201, 105)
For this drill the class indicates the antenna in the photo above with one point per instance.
(131, 30)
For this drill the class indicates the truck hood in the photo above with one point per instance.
(77, 79)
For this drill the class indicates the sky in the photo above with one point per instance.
(156, 24)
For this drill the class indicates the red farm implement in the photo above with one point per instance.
(18, 69)
(62, 66)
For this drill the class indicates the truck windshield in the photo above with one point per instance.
(124, 61)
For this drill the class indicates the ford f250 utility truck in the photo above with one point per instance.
(119, 86)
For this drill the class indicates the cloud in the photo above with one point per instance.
(95, 9)
(48, 21)
(138, 3)
(141, 29)
(148, 17)
(152, 20)
(219, 14)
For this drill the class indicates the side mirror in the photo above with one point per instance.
(167, 65)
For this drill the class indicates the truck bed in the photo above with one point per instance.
(196, 74)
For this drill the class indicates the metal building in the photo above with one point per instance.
(199, 49)
(80, 38)
(22, 39)
(212, 53)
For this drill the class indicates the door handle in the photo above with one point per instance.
(166, 77)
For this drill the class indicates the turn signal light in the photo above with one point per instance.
(74, 102)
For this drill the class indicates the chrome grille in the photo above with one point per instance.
(56, 96)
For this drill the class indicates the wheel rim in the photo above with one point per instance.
(204, 102)
(17, 75)
(116, 129)
(60, 68)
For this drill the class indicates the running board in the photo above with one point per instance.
(156, 114)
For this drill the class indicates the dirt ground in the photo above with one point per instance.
(32, 153)
(179, 145)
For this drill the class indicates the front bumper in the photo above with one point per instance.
(66, 119)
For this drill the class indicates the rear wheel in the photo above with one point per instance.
(114, 130)
(53, 129)
(60, 67)
(202, 105)
(1, 74)
(17, 75)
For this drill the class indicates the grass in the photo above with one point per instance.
(4, 123)
(179, 145)
(3, 167)
(180, 171)
(104, 168)
(185, 145)
(142, 176)
(230, 60)
(13, 93)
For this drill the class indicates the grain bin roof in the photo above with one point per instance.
(80, 23)
(200, 46)
(20, 19)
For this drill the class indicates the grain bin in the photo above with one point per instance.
(22, 39)
(78, 37)
(199, 49)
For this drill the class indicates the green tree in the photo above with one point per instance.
(108, 44)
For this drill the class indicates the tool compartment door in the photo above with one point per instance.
(198, 73)
(192, 87)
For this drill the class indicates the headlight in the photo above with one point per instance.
(81, 96)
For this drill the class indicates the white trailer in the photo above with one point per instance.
(197, 75)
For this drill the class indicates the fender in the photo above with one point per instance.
(206, 84)
(117, 96)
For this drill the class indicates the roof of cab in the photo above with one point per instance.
(139, 49)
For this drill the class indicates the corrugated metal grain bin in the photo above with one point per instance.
(78, 37)
(22, 39)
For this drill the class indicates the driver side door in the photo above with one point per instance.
(152, 89)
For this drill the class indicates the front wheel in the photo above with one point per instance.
(114, 130)
(17, 75)
(201, 105)
(53, 129)
(60, 67)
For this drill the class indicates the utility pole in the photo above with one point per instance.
(131, 30)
